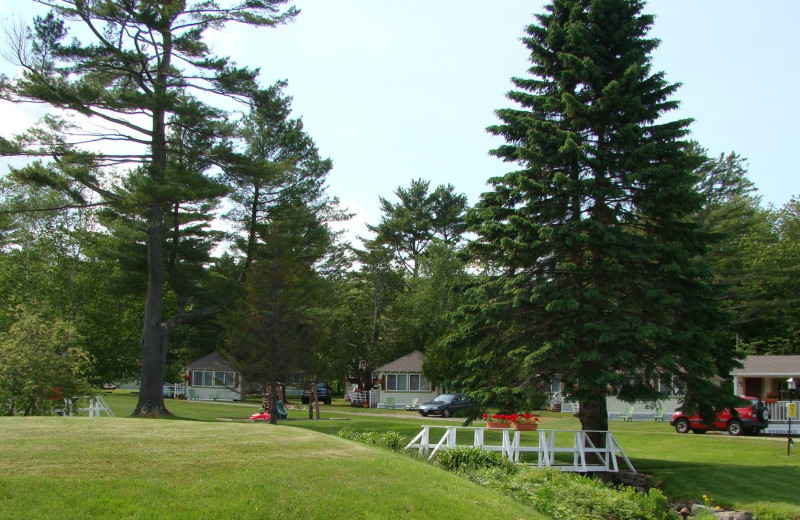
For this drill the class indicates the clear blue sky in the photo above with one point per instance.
(394, 91)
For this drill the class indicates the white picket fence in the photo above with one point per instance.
(578, 444)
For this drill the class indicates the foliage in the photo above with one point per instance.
(40, 366)
(129, 77)
(562, 495)
(592, 269)
(466, 459)
(389, 440)
(409, 226)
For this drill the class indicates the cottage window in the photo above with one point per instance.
(212, 378)
(407, 382)
(417, 382)
(397, 382)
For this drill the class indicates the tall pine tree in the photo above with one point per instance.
(593, 266)
(133, 67)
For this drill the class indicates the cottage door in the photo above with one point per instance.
(752, 386)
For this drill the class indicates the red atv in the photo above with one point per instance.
(749, 418)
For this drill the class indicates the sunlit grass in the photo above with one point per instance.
(741, 472)
(121, 468)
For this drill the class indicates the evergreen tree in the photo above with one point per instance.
(139, 65)
(273, 332)
(593, 268)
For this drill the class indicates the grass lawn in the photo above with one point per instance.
(122, 468)
(741, 472)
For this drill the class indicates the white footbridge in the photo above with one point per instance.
(545, 444)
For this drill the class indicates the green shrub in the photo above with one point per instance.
(389, 440)
(40, 364)
(565, 496)
(465, 458)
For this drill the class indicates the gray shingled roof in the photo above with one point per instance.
(213, 361)
(776, 366)
(408, 363)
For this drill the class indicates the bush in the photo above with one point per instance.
(465, 459)
(566, 496)
(388, 440)
(40, 366)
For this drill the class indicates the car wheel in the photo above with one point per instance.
(328, 401)
(446, 412)
(424, 414)
(764, 413)
(735, 428)
(682, 426)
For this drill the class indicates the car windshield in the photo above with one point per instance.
(444, 398)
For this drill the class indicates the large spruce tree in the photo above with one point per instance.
(593, 268)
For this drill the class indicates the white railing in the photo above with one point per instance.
(546, 448)
(360, 398)
(173, 390)
(97, 406)
(570, 407)
(778, 411)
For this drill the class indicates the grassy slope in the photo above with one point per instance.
(133, 468)
(741, 472)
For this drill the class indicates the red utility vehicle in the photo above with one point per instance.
(750, 417)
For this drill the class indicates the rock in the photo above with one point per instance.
(733, 515)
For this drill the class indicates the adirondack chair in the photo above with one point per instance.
(216, 396)
(658, 415)
(390, 403)
(413, 404)
(282, 413)
(628, 415)
(193, 394)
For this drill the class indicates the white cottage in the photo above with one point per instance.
(212, 377)
(402, 381)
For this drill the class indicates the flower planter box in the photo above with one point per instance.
(525, 427)
(498, 425)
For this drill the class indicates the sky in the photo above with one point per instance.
(395, 91)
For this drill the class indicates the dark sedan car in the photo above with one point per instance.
(444, 405)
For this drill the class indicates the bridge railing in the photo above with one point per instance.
(586, 456)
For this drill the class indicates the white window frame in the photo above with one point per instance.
(213, 378)
(394, 382)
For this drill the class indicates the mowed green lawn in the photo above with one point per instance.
(121, 468)
(214, 462)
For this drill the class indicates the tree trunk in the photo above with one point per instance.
(154, 344)
(316, 399)
(311, 399)
(273, 404)
(593, 415)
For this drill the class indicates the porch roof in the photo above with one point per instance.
(769, 366)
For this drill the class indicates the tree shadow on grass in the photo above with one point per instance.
(727, 484)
